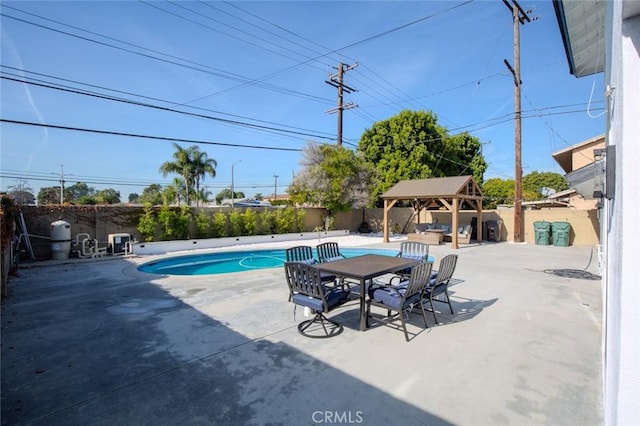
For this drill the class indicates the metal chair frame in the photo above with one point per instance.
(440, 284)
(304, 254)
(418, 281)
(309, 290)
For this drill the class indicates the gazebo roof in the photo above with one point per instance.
(442, 187)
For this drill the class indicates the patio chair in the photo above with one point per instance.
(439, 284)
(411, 250)
(403, 298)
(304, 254)
(328, 252)
(309, 290)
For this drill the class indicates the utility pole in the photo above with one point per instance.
(275, 188)
(233, 189)
(519, 17)
(337, 81)
(61, 183)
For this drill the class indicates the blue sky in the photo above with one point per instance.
(257, 71)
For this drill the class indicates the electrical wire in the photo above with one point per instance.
(141, 136)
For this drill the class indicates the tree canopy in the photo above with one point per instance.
(535, 180)
(192, 165)
(333, 177)
(411, 145)
(501, 191)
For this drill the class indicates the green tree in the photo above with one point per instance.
(498, 191)
(333, 177)
(107, 196)
(192, 166)
(134, 197)
(152, 194)
(225, 194)
(202, 166)
(86, 200)
(77, 191)
(49, 195)
(174, 193)
(147, 223)
(411, 145)
(182, 166)
(534, 181)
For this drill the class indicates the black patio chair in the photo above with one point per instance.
(309, 290)
(328, 252)
(411, 250)
(304, 254)
(402, 298)
(439, 284)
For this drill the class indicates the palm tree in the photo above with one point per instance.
(202, 166)
(182, 165)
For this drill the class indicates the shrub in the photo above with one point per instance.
(237, 226)
(219, 225)
(174, 225)
(300, 215)
(250, 220)
(267, 222)
(147, 224)
(203, 225)
(285, 220)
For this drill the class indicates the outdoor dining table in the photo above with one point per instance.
(364, 269)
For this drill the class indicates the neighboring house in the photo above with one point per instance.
(279, 197)
(605, 36)
(579, 164)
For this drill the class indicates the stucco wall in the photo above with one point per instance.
(99, 221)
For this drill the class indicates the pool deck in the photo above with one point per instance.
(98, 342)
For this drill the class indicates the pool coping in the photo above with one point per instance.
(160, 247)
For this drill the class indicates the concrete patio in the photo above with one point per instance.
(100, 343)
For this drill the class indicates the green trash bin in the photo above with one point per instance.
(560, 233)
(542, 232)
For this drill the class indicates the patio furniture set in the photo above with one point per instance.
(436, 233)
(324, 285)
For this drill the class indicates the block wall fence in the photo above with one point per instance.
(99, 221)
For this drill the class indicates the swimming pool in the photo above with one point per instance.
(234, 261)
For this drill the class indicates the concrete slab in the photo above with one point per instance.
(98, 342)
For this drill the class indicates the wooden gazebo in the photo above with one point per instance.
(450, 192)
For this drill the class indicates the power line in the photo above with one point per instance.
(316, 134)
(132, 102)
(134, 135)
(200, 67)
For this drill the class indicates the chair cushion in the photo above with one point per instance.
(307, 261)
(414, 256)
(332, 259)
(391, 298)
(334, 298)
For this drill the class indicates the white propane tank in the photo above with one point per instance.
(60, 239)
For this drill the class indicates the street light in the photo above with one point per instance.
(233, 194)
(61, 183)
(275, 189)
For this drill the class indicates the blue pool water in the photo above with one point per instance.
(234, 261)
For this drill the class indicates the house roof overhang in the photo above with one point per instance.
(564, 157)
(582, 26)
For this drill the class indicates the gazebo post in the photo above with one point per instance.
(454, 224)
(386, 221)
(479, 224)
